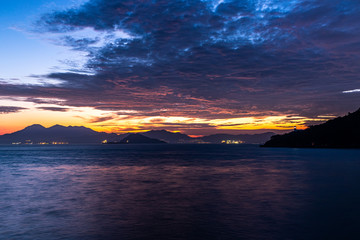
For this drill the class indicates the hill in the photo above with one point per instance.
(341, 132)
(137, 138)
(167, 136)
(57, 133)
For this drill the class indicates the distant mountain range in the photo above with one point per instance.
(37, 134)
(341, 132)
(137, 138)
(245, 138)
(167, 136)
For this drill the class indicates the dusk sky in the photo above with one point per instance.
(199, 67)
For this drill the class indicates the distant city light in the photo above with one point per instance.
(29, 142)
(232, 142)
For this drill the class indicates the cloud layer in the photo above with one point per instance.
(10, 109)
(207, 59)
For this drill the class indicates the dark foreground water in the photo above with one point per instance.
(178, 192)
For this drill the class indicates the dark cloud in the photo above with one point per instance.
(10, 109)
(101, 119)
(204, 59)
(55, 109)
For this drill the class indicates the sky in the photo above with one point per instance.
(199, 67)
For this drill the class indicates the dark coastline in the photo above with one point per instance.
(342, 132)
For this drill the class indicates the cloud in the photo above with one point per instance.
(209, 59)
(101, 119)
(55, 109)
(10, 109)
(351, 91)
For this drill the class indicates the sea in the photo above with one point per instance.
(169, 191)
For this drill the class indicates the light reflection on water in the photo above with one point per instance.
(173, 192)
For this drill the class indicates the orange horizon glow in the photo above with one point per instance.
(113, 123)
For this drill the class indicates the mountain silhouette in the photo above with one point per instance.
(341, 132)
(81, 135)
(167, 136)
(57, 133)
(139, 138)
(171, 137)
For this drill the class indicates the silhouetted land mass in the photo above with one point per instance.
(171, 137)
(167, 136)
(341, 132)
(37, 134)
(76, 135)
(246, 138)
(137, 138)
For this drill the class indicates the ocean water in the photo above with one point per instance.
(178, 192)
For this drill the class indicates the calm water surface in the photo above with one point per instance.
(178, 192)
